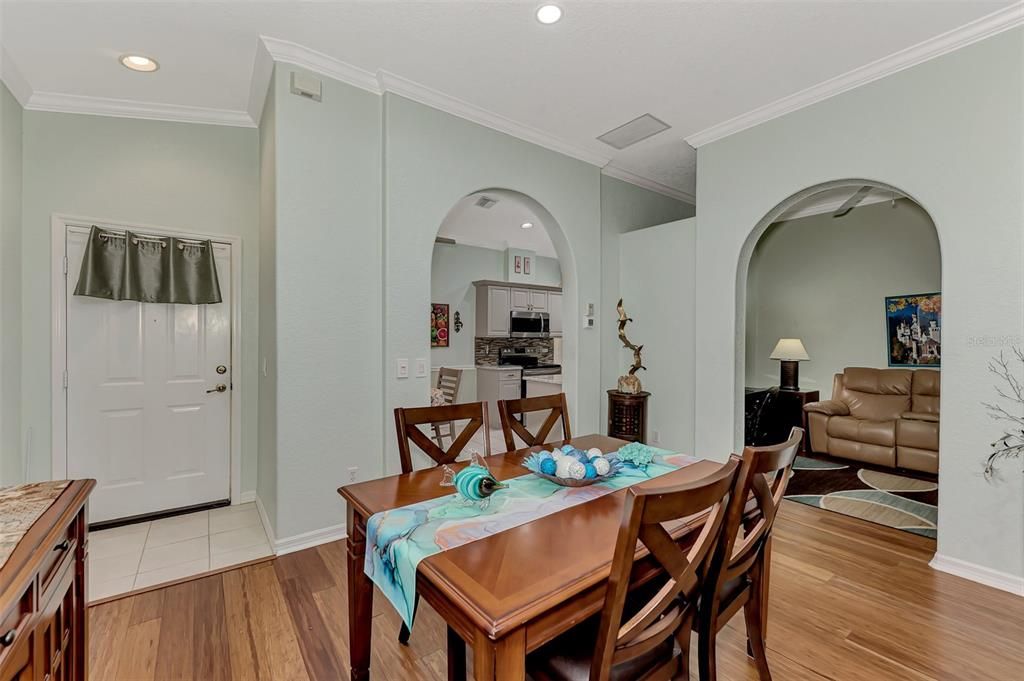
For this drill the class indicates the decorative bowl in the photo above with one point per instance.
(532, 464)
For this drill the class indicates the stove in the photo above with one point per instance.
(531, 364)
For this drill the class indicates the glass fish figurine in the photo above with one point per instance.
(474, 483)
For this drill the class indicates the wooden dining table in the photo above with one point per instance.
(507, 594)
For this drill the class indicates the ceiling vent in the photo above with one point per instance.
(637, 129)
(485, 202)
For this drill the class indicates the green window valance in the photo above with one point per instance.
(148, 269)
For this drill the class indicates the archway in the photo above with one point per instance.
(510, 240)
(811, 270)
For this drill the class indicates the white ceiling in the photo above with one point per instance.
(497, 227)
(695, 65)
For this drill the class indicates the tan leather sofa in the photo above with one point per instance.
(886, 417)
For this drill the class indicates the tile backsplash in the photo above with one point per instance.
(486, 349)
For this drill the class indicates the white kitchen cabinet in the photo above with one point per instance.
(492, 308)
(497, 383)
(520, 299)
(539, 301)
(555, 313)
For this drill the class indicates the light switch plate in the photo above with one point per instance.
(402, 368)
(421, 368)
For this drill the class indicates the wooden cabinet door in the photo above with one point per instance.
(539, 301)
(498, 302)
(57, 639)
(520, 299)
(555, 313)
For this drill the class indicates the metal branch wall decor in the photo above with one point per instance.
(1010, 389)
(629, 383)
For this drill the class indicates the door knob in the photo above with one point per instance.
(219, 389)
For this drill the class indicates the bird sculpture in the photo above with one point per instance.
(630, 383)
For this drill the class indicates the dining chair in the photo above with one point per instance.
(741, 562)
(407, 425)
(643, 638)
(509, 409)
(448, 382)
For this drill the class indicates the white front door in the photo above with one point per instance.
(141, 418)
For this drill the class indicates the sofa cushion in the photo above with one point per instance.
(925, 391)
(860, 451)
(861, 430)
(916, 416)
(828, 407)
(876, 394)
(915, 459)
(919, 434)
(878, 381)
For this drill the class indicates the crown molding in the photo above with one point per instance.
(292, 53)
(13, 78)
(979, 29)
(650, 185)
(398, 85)
(123, 108)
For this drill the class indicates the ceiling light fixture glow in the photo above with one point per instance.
(549, 14)
(138, 62)
(526, 225)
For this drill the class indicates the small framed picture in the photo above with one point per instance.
(519, 264)
(526, 264)
(438, 325)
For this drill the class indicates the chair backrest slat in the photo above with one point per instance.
(448, 381)
(408, 422)
(510, 426)
(672, 607)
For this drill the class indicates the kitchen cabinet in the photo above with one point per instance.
(495, 383)
(494, 301)
(555, 313)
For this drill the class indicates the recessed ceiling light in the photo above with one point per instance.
(526, 225)
(549, 14)
(137, 62)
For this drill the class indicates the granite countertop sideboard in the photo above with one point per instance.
(20, 507)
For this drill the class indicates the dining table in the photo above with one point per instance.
(508, 593)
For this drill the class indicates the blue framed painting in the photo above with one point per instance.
(914, 327)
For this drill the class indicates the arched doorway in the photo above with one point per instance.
(849, 274)
(500, 248)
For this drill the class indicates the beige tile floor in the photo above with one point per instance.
(145, 554)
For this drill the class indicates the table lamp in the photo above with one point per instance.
(791, 351)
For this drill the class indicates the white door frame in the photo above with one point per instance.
(59, 340)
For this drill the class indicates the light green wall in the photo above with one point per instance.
(949, 133)
(824, 280)
(10, 289)
(453, 270)
(200, 178)
(328, 299)
(433, 159)
(624, 208)
(657, 277)
(266, 487)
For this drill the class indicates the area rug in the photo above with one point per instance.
(874, 494)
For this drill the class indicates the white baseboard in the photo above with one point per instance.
(977, 573)
(308, 540)
(246, 497)
(298, 542)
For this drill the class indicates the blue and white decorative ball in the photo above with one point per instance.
(601, 465)
(594, 451)
(548, 466)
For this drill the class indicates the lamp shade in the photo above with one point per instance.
(790, 349)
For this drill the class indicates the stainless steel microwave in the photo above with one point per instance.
(523, 324)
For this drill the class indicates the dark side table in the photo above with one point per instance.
(791, 412)
(627, 415)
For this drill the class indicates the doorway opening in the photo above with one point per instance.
(839, 332)
(497, 273)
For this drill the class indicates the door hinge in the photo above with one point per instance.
(64, 379)
(65, 264)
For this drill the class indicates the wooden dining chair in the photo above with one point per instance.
(649, 639)
(408, 422)
(407, 425)
(741, 562)
(448, 382)
(509, 409)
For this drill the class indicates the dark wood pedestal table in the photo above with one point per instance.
(510, 593)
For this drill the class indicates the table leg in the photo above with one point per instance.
(360, 599)
(501, 660)
(456, 657)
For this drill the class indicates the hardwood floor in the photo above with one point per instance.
(850, 601)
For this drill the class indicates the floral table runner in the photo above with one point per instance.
(397, 540)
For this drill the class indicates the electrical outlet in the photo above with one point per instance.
(402, 368)
(421, 368)
(353, 473)
(589, 323)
